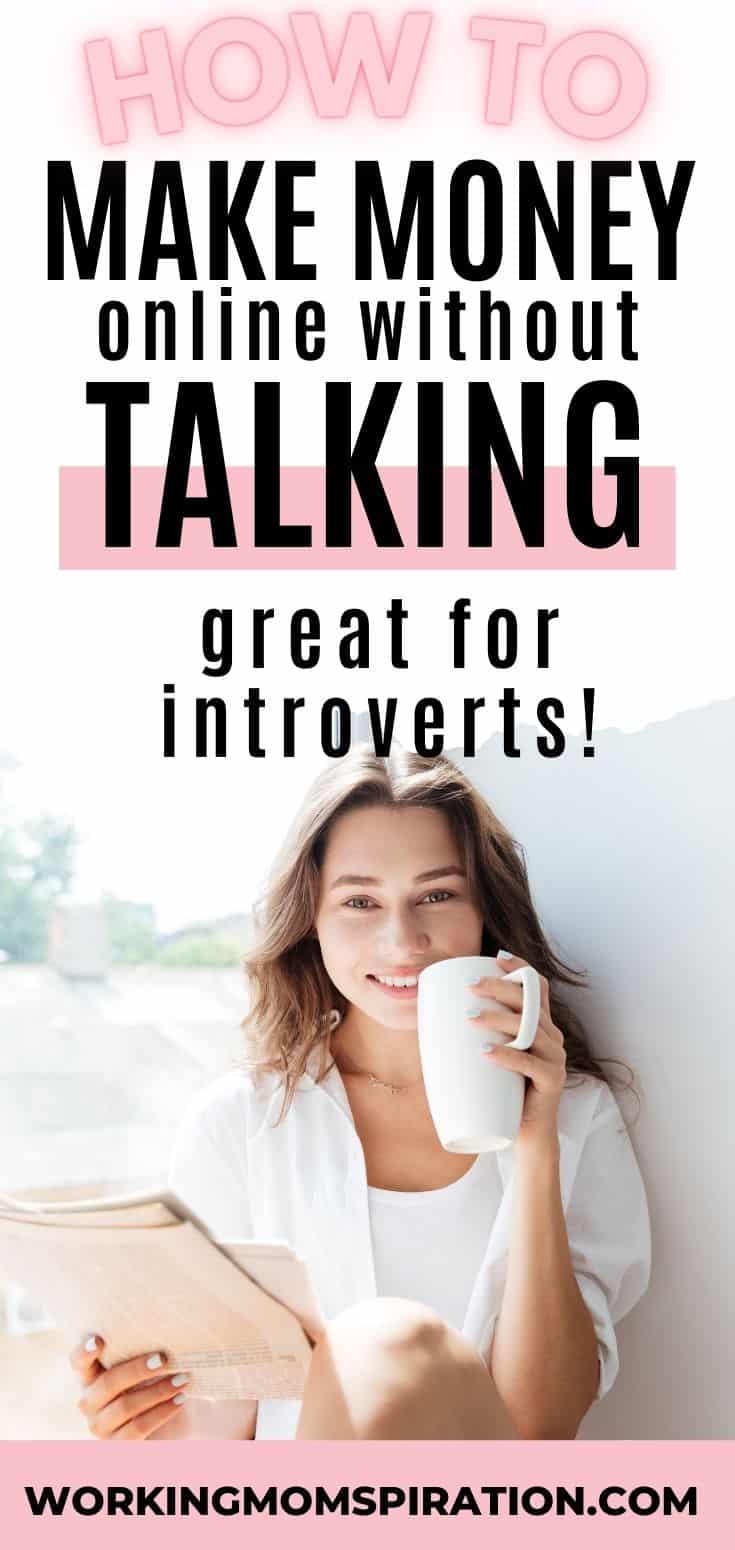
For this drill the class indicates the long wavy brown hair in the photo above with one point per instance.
(292, 994)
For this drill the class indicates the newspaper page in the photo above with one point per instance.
(161, 1288)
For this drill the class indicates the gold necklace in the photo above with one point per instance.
(392, 1087)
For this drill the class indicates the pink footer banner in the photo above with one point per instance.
(71, 1494)
(302, 498)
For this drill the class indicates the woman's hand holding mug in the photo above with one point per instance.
(544, 1065)
(131, 1400)
(475, 1085)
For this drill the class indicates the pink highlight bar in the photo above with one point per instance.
(641, 1480)
(82, 526)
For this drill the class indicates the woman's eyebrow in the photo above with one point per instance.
(354, 880)
(440, 871)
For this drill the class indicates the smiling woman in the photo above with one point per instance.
(456, 1307)
(391, 864)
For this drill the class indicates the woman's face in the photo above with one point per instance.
(393, 899)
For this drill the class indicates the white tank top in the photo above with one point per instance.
(428, 1245)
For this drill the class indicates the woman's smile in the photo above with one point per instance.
(402, 987)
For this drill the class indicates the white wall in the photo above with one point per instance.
(630, 857)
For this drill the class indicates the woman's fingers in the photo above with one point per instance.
(509, 1022)
(116, 1379)
(138, 1412)
(546, 1075)
(496, 989)
(500, 1022)
(129, 1400)
(84, 1359)
(511, 996)
(507, 991)
(507, 966)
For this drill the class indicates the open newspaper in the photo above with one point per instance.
(241, 1318)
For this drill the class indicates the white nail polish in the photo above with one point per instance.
(501, 953)
(473, 1015)
(476, 981)
(181, 1377)
(153, 1362)
(179, 1399)
(91, 1344)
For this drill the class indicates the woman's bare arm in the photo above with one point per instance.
(544, 1358)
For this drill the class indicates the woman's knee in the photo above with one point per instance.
(391, 1367)
(386, 1340)
(389, 1324)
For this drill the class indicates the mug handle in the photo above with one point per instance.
(528, 978)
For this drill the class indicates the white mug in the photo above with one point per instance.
(476, 1106)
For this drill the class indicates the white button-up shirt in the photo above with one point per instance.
(304, 1181)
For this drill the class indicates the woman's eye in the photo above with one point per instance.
(360, 902)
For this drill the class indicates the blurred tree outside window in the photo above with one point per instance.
(131, 930)
(36, 869)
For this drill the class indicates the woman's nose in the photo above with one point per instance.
(402, 931)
